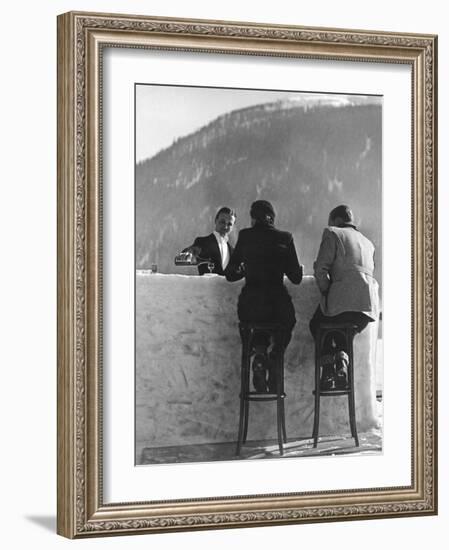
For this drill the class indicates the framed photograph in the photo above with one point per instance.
(246, 274)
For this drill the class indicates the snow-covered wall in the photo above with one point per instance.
(188, 354)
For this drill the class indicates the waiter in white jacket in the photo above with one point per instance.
(344, 272)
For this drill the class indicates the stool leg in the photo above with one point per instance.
(247, 384)
(278, 404)
(284, 431)
(351, 396)
(239, 437)
(352, 419)
(280, 409)
(316, 418)
(241, 421)
(246, 403)
(279, 423)
(243, 390)
(282, 389)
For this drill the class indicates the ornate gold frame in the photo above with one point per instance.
(81, 37)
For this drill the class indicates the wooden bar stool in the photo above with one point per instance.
(248, 330)
(347, 330)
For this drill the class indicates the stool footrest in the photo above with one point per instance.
(332, 393)
(264, 397)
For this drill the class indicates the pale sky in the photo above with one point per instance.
(165, 113)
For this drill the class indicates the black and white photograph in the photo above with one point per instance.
(258, 274)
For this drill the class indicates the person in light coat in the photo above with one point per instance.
(344, 272)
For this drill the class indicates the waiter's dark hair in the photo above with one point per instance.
(262, 212)
(225, 210)
(343, 212)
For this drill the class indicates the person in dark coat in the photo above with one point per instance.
(214, 250)
(263, 255)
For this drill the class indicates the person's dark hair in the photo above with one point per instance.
(262, 212)
(225, 210)
(343, 212)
